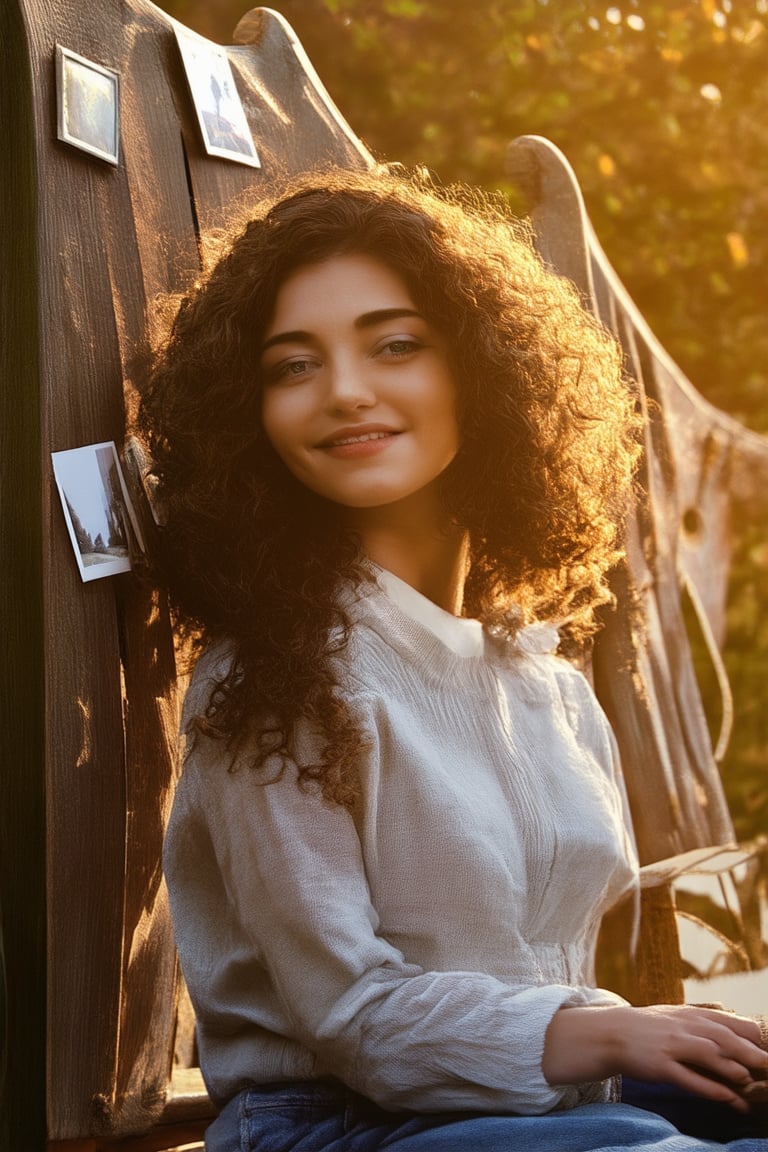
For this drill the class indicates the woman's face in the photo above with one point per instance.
(359, 400)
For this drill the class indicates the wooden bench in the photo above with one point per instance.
(89, 693)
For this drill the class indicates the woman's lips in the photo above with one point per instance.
(354, 443)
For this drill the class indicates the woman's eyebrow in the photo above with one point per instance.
(380, 315)
(296, 337)
(366, 320)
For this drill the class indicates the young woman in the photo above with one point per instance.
(393, 451)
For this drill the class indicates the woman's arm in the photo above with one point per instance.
(284, 951)
(676, 1044)
(273, 913)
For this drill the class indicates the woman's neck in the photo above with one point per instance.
(431, 557)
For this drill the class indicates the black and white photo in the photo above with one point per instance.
(220, 113)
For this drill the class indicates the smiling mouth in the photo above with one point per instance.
(362, 439)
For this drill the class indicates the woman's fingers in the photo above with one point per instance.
(692, 1080)
(720, 1056)
(703, 1050)
(726, 1044)
(748, 1029)
(744, 1026)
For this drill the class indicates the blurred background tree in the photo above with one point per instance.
(661, 106)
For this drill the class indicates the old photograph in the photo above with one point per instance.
(97, 509)
(223, 123)
(88, 105)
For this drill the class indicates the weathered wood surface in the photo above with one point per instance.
(702, 474)
(701, 470)
(89, 696)
(88, 687)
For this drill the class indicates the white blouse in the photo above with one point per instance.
(416, 947)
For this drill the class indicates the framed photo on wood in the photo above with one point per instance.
(88, 105)
(223, 124)
(97, 508)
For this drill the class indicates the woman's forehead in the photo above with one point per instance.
(348, 286)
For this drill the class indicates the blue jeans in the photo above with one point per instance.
(324, 1116)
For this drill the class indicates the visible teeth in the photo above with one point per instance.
(361, 439)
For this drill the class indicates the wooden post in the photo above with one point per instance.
(22, 727)
(88, 687)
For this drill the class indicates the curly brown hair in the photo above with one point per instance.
(549, 442)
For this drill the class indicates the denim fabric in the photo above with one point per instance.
(321, 1116)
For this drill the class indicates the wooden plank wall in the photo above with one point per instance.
(704, 478)
(87, 676)
(702, 475)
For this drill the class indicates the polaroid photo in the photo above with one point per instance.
(97, 508)
(220, 113)
(88, 100)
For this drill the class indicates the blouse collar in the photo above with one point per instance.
(462, 636)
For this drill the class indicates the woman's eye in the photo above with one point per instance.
(401, 347)
(287, 371)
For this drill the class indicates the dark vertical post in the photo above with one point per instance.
(22, 722)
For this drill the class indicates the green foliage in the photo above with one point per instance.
(661, 108)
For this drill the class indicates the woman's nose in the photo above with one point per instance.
(348, 387)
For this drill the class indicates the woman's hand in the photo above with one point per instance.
(701, 1050)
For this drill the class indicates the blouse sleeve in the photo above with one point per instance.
(297, 898)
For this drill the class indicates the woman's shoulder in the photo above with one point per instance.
(534, 655)
(213, 666)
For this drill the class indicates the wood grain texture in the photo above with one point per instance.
(293, 123)
(92, 700)
(702, 472)
(700, 466)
